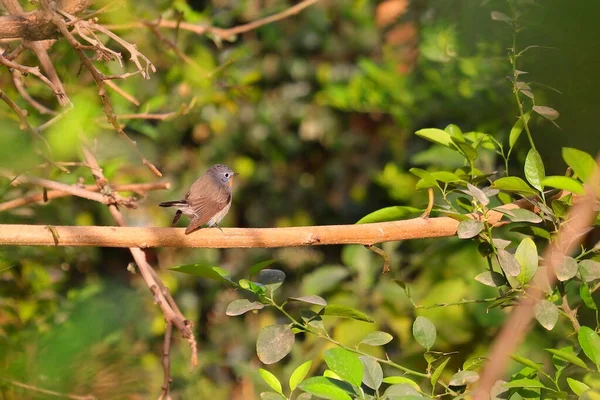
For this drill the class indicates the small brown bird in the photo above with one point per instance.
(208, 200)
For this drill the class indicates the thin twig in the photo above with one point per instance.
(184, 110)
(140, 188)
(166, 362)
(122, 92)
(383, 255)
(18, 82)
(46, 391)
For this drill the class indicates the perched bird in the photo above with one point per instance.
(208, 200)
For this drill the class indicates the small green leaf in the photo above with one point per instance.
(534, 169)
(524, 383)
(546, 313)
(435, 376)
(436, 136)
(241, 306)
(517, 129)
(270, 278)
(474, 363)
(314, 299)
(508, 263)
(527, 257)
(546, 112)
(394, 213)
(499, 16)
(204, 271)
(580, 162)
(491, 278)
(577, 387)
(526, 361)
(568, 356)
(532, 231)
(256, 268)
(274, 342)
(586, 296)
(464, 378)
(589, 270)
(478, 194)
(377, 338)
(373, 374)
(566, 270)
(396, 380)
(513, 184)
(520, 215)
(563, 183)
(299, 374)
(271, 396)
(402, 391)
(424, 332)
(346, 312)
(469, 228)
(590, 344)
(426, 177)
(445, 177)
(271, 380)
(345, 364)
(326, 388)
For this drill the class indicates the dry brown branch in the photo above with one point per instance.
(99, 78)
(123, 93)
(108, 199)
(172, 45)
(166, 362)
(514, 330)
(184, 110)
(46, 391)
(225, 34)
(36, 25)
(29, 70)
(139, 188)
(18, 82)
(162, 297)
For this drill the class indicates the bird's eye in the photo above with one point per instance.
(226, 174)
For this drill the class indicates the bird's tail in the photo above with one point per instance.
(173, 203)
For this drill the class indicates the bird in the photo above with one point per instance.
(208, 200)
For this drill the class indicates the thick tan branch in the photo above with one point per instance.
(104, 236)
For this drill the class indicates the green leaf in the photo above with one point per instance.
(402, 391)
(314, 299)
(469, 228)
(563, 183)
(526, 361)
(589, 270)
(586, 296)
(491, 278)
(546, 112)
(527, 257)
(532, 231)
(271, 396)
(517, 129)
(524, 383)
(499, 16)
(520, 215)
(577, 387)
(445, 177)
(345, 364)
(590, 344)
(508, 263)
(436, 136)
(377, 338)
(323, 387)
(474, 363)
(435, 376)
(205, 271)
(478, 194)
(271, 380)
(394, 213)
(464, 378)
(396, 380)
(373, 374)
(566, 270)
(271, 278)
(513, 184)
(345, 312)
(546, 313)
(274, 342)
(299, 374)
(256, 268)
(534, 169)
(455, 132)
(241, 306)
(424, 332)
(567, 356)
(428, 179)
(580, 162)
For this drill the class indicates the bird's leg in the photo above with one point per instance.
(217, 225)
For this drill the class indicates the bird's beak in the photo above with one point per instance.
(236, 173)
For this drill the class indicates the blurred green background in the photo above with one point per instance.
(317, 114)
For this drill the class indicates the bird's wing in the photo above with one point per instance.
(206, 198)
